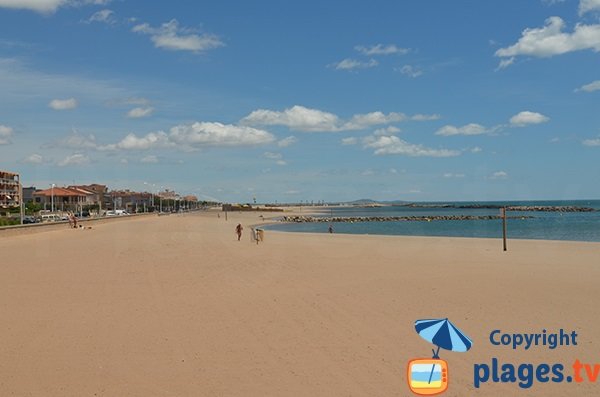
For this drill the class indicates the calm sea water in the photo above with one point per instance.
(576, 226)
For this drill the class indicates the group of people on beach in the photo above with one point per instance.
(256, 234)
(72, 220)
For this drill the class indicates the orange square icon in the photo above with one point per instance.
(427, 376)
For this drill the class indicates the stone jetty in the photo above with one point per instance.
(353, 219)
(523, 208)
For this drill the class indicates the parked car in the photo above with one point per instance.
(29, 219)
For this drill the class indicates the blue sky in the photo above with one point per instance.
(289, 101)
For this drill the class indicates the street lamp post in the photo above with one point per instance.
(52, 205)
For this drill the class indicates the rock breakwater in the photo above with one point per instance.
(353, 219)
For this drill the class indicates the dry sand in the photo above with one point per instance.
(175, 306)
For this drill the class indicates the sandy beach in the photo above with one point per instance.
(176, 306)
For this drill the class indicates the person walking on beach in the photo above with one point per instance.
(238, 231)
(330, 228)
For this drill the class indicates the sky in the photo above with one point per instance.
(418, 100)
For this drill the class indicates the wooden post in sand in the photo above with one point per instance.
(503, 215)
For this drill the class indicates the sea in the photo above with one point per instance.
(570, 226)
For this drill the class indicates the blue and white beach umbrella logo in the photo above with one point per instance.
(428, 377)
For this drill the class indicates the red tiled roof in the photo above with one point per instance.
(60, 191)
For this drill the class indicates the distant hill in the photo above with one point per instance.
(375, 202)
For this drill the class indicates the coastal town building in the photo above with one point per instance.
(10, 189)
(64, 199)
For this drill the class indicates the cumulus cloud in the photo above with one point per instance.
(393, 145)
(151, 159)
(390, 130)
(296, 118)
(452, 175)
(34, 159)
(349, 141)
(381, 49)
(592, 142)
(47, 6)
(353, 64)
(63, 104)
(469, 129)
(527, 117)
(588, 5)
(217, 134)
(476, 149)
(593, 86)
(499, 175)
(170, 36)
(75, 159)
(273, 156)
(300, 118)
(6, 134)
(42, 6)
(361, 121)
(140, 112)
(103, 16)
(425, 117)
(153, 140)
(551, 40)
(289, 141)
(78, 141)
(410, 71)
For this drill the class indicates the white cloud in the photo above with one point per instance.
(288, 141)
(593, 86)
(588, 5)
(504, 63)
(554, 140)
(381, 49)
(42, 6)
(393, 171)
(217, 134)
(140, 112)
(78, 141)
(367, 173)
(394, 145)
(352, 64)
(527, 117)
(476, 149)
(592, 142)
(469, 129)
(6, 134)
(297, 118)
(34, 159)
(152, 140)
(63, 104)
(349, 141)
(151, 159)
(425, 117)
(300, 118)
(103, 16)
(170, 36)
(452, 175)
(192, 136)
(550, 40)
(47, 6)
(390, 130)
(410, 71)
(272, 156)
(281, 162)
(362, 121)
(499, 175)
(75, 159)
